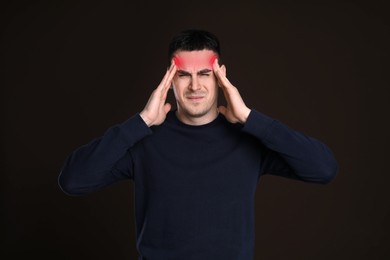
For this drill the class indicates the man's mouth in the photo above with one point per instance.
(195, 97)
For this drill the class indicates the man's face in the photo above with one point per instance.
(195, 85)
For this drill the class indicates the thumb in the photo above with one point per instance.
(222, 110)
(167, 108)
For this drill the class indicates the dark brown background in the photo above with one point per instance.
(73, 69)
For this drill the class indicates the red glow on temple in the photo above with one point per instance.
(177, 62)
(213, 58)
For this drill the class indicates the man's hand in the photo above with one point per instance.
(156, 109)
(236, 111)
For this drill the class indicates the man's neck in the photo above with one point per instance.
(197, 120)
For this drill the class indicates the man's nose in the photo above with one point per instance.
(194, 84)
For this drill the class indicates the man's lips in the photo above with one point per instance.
(194, 97)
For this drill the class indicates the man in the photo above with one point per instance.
(195, 169)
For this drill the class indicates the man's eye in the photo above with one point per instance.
(182, 75)
(205, 74)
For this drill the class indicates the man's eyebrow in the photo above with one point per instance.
(204, 71)
(183, 72)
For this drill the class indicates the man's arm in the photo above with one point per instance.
(291, 154)
(93, 166)
(106, 160)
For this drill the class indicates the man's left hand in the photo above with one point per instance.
(235, 111)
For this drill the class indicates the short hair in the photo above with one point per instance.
(194, 40)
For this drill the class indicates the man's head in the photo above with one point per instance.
(195, 85)
(194, 40)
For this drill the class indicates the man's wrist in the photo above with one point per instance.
(145, 119)
(245, 115)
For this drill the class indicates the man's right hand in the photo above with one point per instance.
(156, 109)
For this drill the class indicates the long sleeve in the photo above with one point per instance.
(104, 160)
(291, 154)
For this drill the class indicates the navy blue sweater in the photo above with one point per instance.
(195, 185)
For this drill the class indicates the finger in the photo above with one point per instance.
(165, 78)
(224, 82)
(168, 82)
(217, 68)
(171, 74)
(217, 71)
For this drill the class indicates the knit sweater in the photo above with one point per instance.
(194, 186)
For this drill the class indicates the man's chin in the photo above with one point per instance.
(196, 113)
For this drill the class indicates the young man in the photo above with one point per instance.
(196, 169)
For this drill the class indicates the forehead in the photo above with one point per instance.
(189, 60)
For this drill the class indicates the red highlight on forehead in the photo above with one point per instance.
(182, 62)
